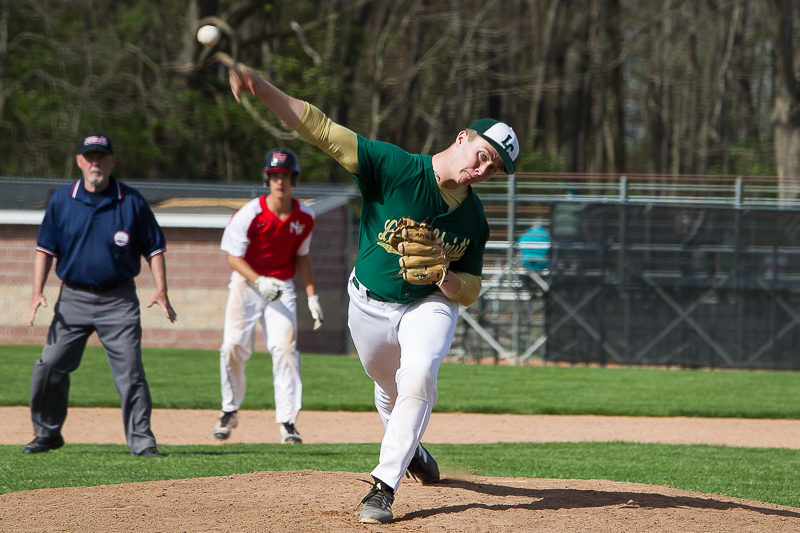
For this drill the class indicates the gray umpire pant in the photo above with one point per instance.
(114, 315)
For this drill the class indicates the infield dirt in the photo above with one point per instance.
(327, 501)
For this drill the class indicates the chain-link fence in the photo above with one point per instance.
(684, 270)
(604, 269)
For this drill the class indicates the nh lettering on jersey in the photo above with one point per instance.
(454, 245)
(296, 227)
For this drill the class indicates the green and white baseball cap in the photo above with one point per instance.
(501, 137)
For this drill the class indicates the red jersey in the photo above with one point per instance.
(268, 244)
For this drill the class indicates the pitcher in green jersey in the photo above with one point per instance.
(403, 331)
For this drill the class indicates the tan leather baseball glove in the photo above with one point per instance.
(422, 259)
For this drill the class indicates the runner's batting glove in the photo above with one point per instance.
(316, 310)
(268, 287)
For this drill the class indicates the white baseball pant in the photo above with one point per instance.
(278, 321)
(401, 347)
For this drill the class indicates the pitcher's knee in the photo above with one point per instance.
(416, 382)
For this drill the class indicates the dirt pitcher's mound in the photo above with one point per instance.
(326, 501)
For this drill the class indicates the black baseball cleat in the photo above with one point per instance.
(423, 467)
(377, 503)
(44, 444)
(289, 434)
(227, 421)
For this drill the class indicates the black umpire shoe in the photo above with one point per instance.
(152, 451)
(377, 504)
(44, 444)
(423, 467)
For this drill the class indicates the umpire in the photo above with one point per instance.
(98, 229)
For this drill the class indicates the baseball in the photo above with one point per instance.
(208, 35)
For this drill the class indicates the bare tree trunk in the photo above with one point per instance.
(665, 116)
(614, 115)
(575, 68)
(786, 105)
(715, 88)
(345, 70)
(394, 20)
(542, 63)
(464, 34)
(4, 90)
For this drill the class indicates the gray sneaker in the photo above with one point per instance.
(289, 434)
(377, 504)
(227, 421)
(423, 467)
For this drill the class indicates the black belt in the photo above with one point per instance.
(370, 294)
(98, 288)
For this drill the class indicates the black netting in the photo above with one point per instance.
(668, 285)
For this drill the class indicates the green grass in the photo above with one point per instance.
(190, 379)
(751, 473)
(618, 391)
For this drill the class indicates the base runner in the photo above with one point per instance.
(267, 242)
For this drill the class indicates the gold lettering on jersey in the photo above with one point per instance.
(388, 228)
(455, 247)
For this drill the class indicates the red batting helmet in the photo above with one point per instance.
(282, 160)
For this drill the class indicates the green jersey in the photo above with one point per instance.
(395, 184)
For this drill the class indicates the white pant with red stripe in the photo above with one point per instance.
(401, 347)
(278, 321)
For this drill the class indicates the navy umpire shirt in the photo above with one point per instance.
(99, 243)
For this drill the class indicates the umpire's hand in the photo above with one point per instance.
(37, 301)
(162, 300)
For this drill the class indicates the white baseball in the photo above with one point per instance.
(208, 35)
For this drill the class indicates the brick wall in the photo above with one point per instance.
(197, 276)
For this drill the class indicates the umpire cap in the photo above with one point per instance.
(282, 160)
(95, 142)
